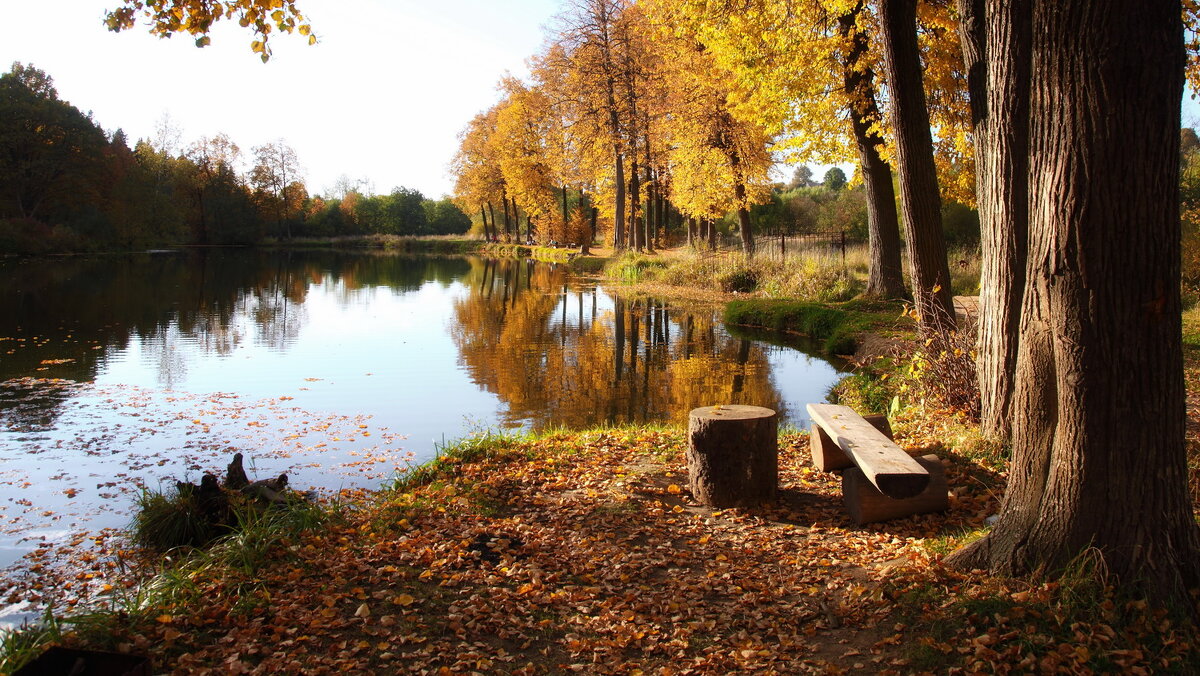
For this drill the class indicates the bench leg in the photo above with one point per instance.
(866, 504)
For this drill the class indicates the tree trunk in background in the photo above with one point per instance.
(516, 220)
(566, 213)
(691, 231)
(507, 222)
(483, 216)
(648, 220)
(999, 92)
(712, 234)
(618, 239)
(635, 205)
(1099, 461)
(743, 215)
(663, 220)
(595, 217)
(885, 274)
(922, 204)
(492, 211)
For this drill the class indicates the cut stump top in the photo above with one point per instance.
(731, 412)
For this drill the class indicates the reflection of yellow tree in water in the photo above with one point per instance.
(539, 343)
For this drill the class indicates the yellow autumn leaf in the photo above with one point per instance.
(403, 600)
(674, 488)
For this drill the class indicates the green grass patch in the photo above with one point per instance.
(634, 267)
(837, 326)
(447, 459)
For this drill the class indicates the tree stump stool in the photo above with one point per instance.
(733, 455)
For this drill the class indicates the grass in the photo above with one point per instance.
(836, 325)
(447, 458)
(816, 279)
(168, 519)
(20, 646)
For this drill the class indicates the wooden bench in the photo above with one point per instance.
(880, 481)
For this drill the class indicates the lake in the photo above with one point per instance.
(127, 371)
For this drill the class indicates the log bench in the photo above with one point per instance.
(880, 481)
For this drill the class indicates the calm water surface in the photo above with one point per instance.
(338, 367)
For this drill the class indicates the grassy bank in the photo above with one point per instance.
(837, 325)
(584, 551)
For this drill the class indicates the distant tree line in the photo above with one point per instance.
(67, 185)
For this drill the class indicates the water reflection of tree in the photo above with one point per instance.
(538, 341)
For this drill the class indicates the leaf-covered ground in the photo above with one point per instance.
(585, 553)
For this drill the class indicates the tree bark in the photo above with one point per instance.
(885, 274)
(918, 176)
(1099, 462)
(999, 91)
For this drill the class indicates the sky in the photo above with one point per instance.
(381, 97)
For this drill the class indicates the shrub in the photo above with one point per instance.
(941, 370)
(863, 392)
(738, 280)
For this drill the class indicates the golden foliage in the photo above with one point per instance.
(196, 17)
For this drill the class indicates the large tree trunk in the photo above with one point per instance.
(1099, 461)
(922, 203)
(999, 90)
(885, 274)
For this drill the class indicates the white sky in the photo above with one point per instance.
(381, 97)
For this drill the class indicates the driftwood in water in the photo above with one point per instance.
(212, 504)
(235, 474)
(270, 491)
